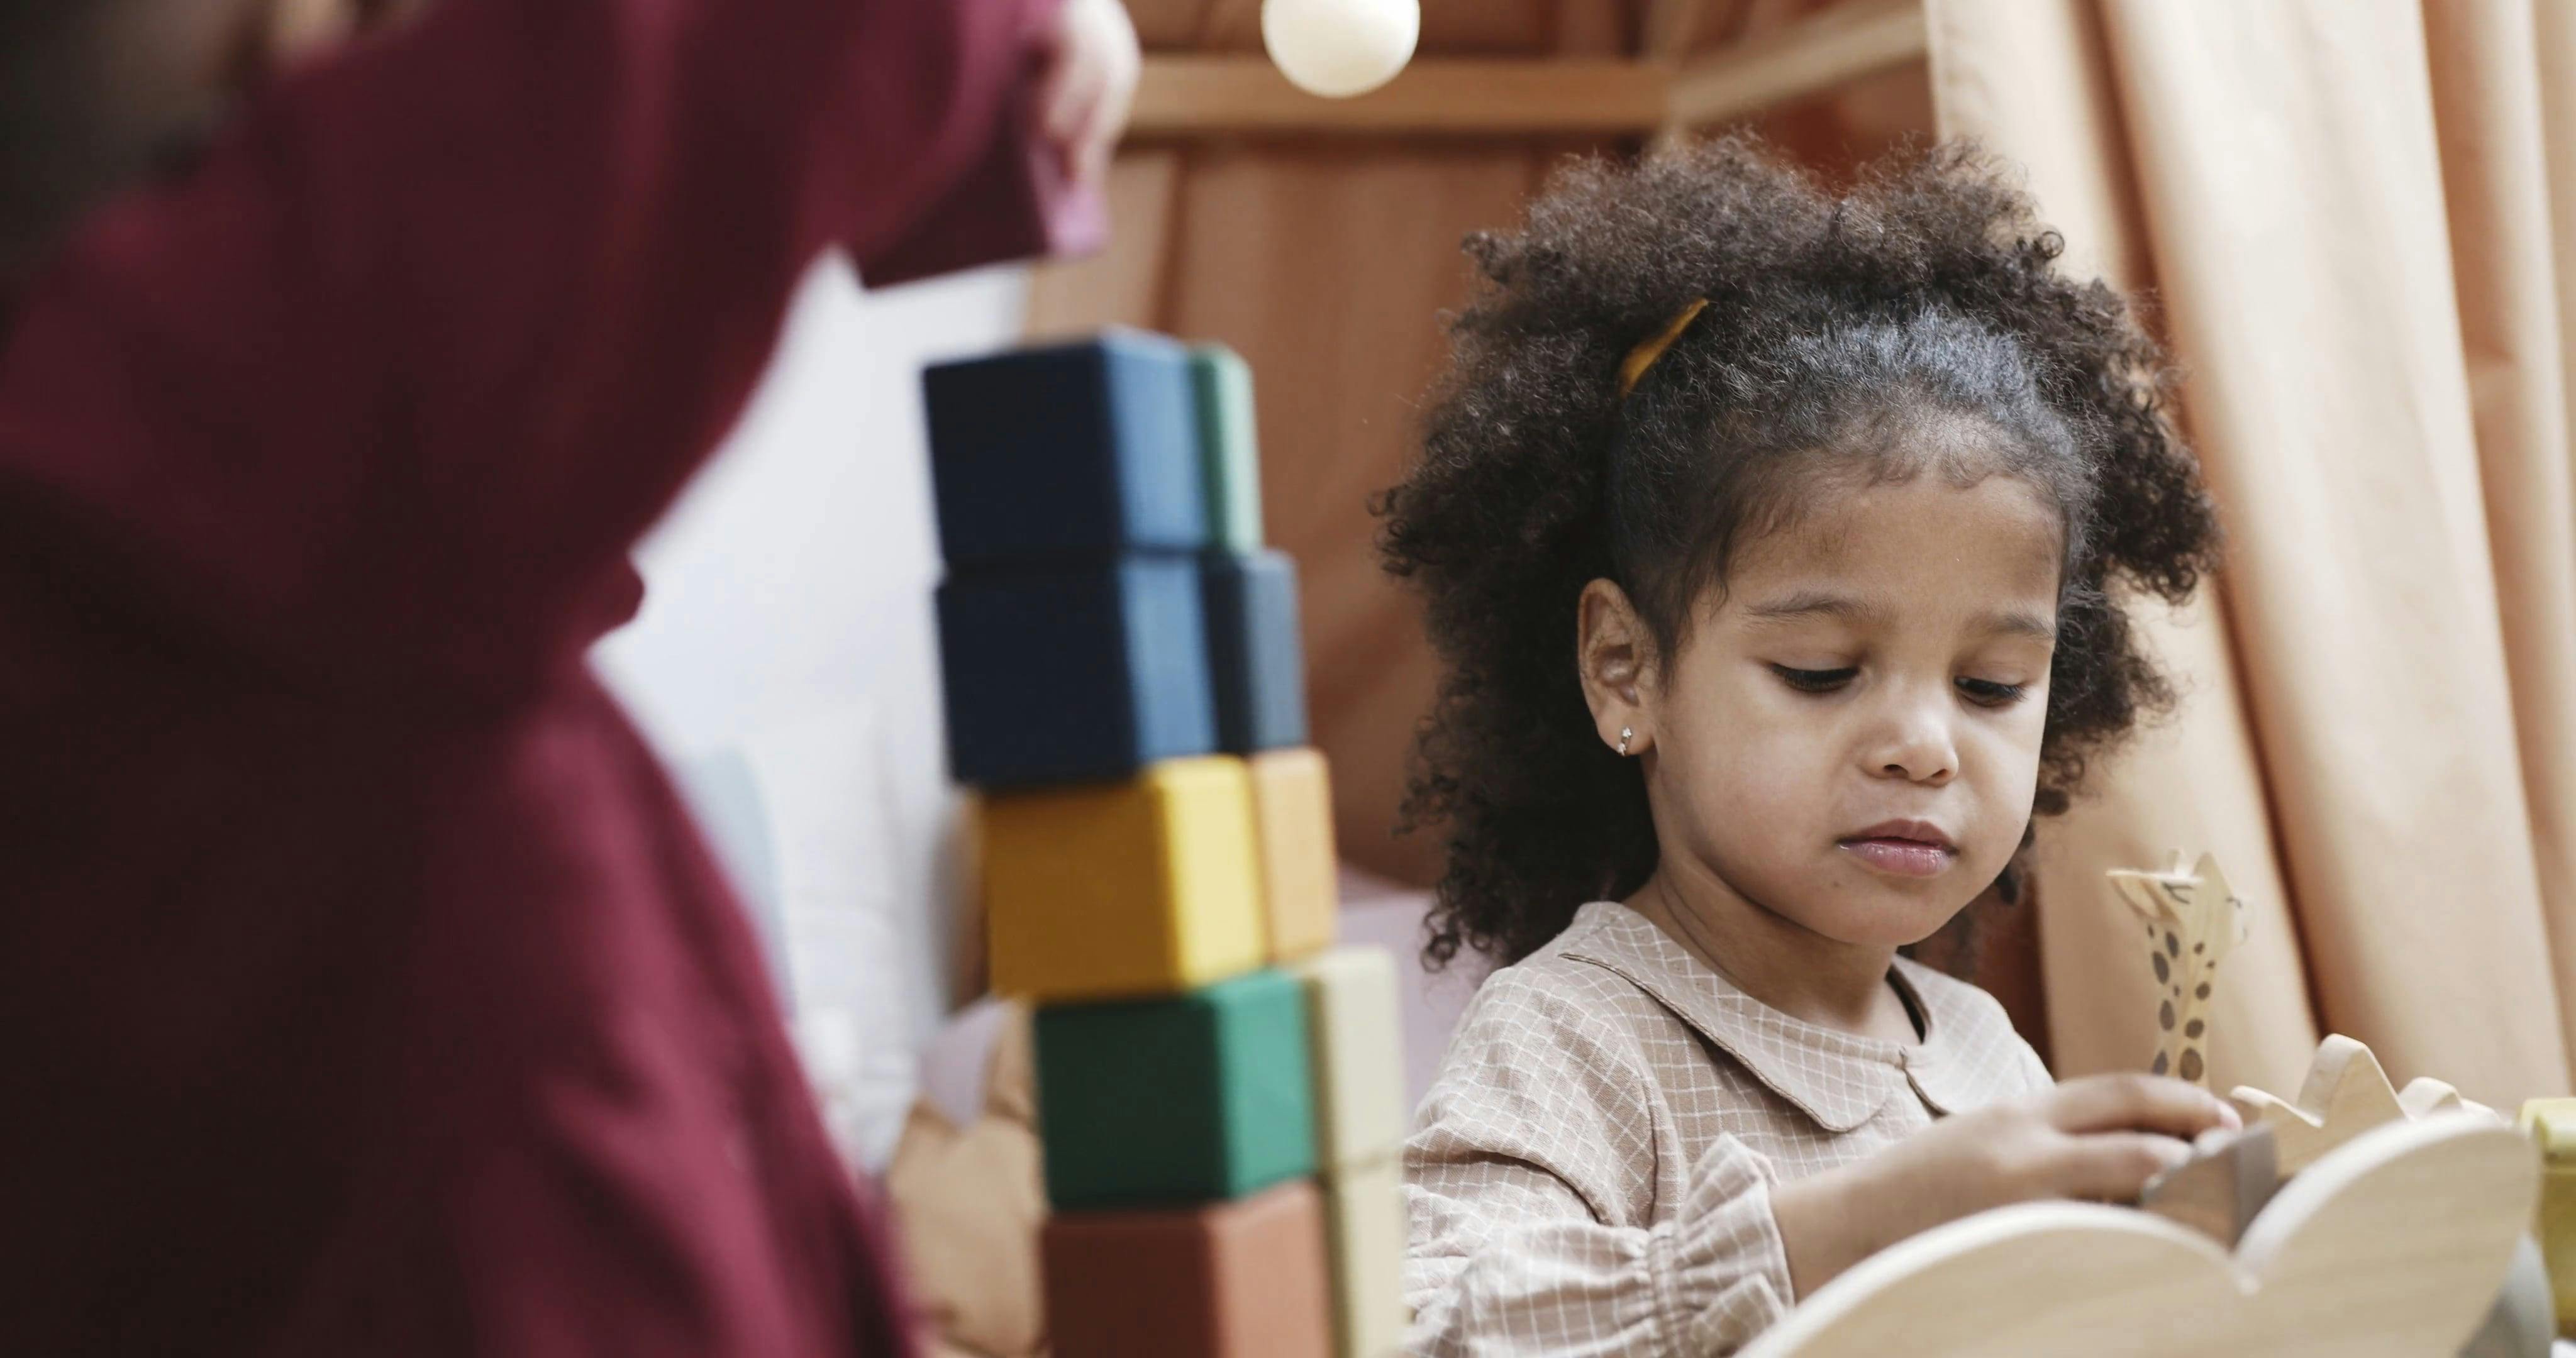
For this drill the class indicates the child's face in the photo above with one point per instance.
(1849, 735)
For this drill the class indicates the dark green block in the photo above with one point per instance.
(1194, 1098)
(1221, 383)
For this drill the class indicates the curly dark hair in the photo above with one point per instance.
(1842, 329)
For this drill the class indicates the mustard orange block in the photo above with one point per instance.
(1292, 800)
(1146, 887)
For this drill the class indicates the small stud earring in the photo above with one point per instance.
(1625, 735)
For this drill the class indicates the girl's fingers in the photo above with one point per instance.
(2114, 1166)
(2102, 1103)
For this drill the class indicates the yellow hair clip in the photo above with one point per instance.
(1653, 346)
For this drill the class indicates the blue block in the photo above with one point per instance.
(1078, 672)
(1076, 450)
(1254, 655)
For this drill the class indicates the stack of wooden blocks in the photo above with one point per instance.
(1218, 1086)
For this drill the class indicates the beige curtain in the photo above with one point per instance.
(2358, 221)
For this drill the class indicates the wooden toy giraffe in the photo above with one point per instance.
(2192, 921)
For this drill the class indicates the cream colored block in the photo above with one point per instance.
(1364, 1230)
(1355, 1045)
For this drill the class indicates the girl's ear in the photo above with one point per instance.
(1615, 656)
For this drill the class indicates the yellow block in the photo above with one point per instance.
(2552, 1124)
(1292, 797)
(1355, 1046)
(1364, 1234)
(1147, 887)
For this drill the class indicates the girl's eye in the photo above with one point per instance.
(1815, 681)
(1987, 693)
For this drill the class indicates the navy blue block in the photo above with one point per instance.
(1254, 654)
(1085, 449)
(1076, 672)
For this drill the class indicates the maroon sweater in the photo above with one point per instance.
(364, 988)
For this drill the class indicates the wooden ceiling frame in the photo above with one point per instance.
(1659, 94)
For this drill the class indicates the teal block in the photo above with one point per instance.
(1229, 449)
(1194, 1098)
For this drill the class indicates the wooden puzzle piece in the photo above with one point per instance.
(1364, 1228)
(1138, 888)
(2424, 1096)
(2192, 920)
(1157, 1102)
(2218, 1192)
(1243, 1279)
(2345, 1094)
(1357, 1049)
(2395, 1244)
(2524, 1317)
(1292, 804)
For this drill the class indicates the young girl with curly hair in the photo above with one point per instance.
(1771, 539)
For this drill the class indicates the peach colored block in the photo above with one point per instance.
(1242, 1279)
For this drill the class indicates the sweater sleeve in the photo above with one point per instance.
(1528, 1187)
(387, 387)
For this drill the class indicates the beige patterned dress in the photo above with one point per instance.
(1591, 1172)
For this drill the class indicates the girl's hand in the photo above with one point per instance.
(2100, 1138)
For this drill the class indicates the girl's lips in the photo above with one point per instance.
(1901, 857)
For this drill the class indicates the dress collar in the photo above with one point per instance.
(1839, 1079)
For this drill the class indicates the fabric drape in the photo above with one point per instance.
(2347, 217)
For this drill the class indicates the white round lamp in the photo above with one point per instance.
(1339, 48)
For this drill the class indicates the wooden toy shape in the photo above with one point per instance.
(1256, 660)
(1228, 1280)
(1139, 888)
(2393, 1244)
(2220, 1189)
(1075, 672)
(1364, 1230)
(2525, 1315)
(1165, 1102)
(2192, 921)
(1355, 1038)
(2345, 1094)
(1068, 452)
(2551, 1124)
(1292, 806)
(1228, 446)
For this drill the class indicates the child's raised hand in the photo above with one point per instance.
(2100, 1138)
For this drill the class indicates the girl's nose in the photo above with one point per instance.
(1915, 745)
